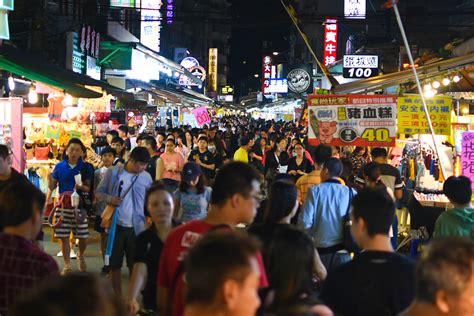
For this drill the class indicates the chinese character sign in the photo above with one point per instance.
(213, 69)
(352, 120)
(202, 116)
(330, 42)
(151, 24)
(412, 118)
(266, 74)
(354, 9)
(467, 156)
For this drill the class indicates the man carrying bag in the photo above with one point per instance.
(123, 189)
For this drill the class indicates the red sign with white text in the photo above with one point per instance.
(266, 74)
(330, 42)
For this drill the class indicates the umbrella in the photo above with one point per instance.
(111, 238)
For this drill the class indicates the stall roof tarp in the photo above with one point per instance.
(118, 55)
(397, 78)
(33, 68)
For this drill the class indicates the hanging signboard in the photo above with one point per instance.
(330, 41)
(266, 74)
(11, 129)
(412, 118)
(202, 116)
(352, 120)
(360, 66)
(354, 9)
(467, 156)
(213, 52)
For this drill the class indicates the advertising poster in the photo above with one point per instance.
(352, 120)
(202, 116)
(467, 156)
(412, 118)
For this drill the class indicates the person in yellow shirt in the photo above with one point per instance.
(242, 154)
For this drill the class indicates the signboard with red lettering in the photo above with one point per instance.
(330, 42)
(352, 120)
(202, 116)
(266, 74)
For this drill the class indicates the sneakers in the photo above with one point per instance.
(66, 270)
(81, 264)
(105, 271)
(72, 254)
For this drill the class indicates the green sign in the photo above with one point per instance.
(5, 6)
(122, 3)
(75, 134)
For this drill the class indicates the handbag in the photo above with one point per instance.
(348, 240)
(109, 211)
(42, 153)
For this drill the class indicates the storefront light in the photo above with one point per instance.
(427, 87)
(68, 100)
(430, 93)
(32, 95)
(456, 78)
(446, 82)
(11, 83)
(436, 84)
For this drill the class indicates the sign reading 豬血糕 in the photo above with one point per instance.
(360, 66)
(412, 118)
(202, 116)
(467, 156)
(352, 120)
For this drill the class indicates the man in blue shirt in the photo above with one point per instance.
(64, 176)
(322, 214)
(124, 187)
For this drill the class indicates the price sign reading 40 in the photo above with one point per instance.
(202, 116)
(376, 135)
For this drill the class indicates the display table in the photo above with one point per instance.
(425, 210)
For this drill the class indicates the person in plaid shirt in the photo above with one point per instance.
(22, 265)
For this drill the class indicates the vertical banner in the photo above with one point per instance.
(266, 74)
(11, 129)
(467, 156)
(150, 26)
(412, 118)
(352, 120)
(213, 55)
(330, 41)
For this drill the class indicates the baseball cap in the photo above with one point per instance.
(191, 171)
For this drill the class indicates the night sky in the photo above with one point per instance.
(255, 21)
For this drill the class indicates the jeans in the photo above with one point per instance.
(332, 260)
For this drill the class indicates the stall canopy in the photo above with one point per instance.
(397, 78)
(122, 56)
(33, 68)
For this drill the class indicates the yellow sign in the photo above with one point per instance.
(412, 118)
(213, 69)
(227, 90)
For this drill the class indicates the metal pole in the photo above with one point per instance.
(418, 84)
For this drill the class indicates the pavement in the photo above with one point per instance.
(93, 255)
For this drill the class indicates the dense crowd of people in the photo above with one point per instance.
(238, 218)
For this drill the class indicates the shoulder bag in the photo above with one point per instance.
(109, 211)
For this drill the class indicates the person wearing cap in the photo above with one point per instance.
(192, 197)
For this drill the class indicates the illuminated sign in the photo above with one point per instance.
(5, 7)
(227, 90)
(266, 74)
(213, 69)
(360, 66)
(192, 64)
(150, 32)
(169, 11)
(330, 42)
(122, 3)
(354, 9)
(279, 85)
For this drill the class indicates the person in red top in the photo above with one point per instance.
(234, 200)
(22, 265)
